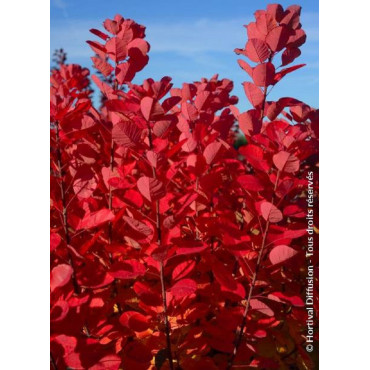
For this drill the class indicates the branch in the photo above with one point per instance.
(163, 288)
(253, 283)
(240, 334)
(111, 167)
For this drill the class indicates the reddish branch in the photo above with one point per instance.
(111, 166)
(61, 184)
(240, 333)
(163, 288)
(251, 289)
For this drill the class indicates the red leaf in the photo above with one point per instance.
(59, 311)
(99, 34)
(286, 162)
(55, 240)
(247, 68)
(201, 99)
(254, 33)
(189, 111)
(146, 294)
(285, 71)
(239, 291)
(249, 122)
(151, 188)
(116, 105)
(103, 87)
(254, 94)
(298, 39)
(94, 219)
(261, 307)
(104, 67)
(183, 288)
(127, 269)
(150, 108)
(90, 242)
(263, 74)
(292, 234)
(68, 343)
(191, 249)
(138, 226)
(124, 73)
(196, 163)
(161, 127)
(300, 112)
(133, 197)
(289, 55)
(293, 210)
(116, 49)
(111, 26)
(296, 301)
(146, 107)
(183, 269)
(222, 275)
(190, 144)
(108, 362)
(276, 11)
(270, 212)
(264, 21)
(260, 333)
(251, 183)
(60, 276)
(255, 156)
(98, 48)
(134, 320)
(126, 134)
(170, 102)
(139, 353)
(152, 158)
(211, 151)
(291, 16)
(139, 44)
(281, 253)
(277, 38)
(257, 50)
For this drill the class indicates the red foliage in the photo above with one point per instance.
(169, 247)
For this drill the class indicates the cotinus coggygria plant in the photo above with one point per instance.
(170, 248)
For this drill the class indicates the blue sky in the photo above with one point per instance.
(189, 39)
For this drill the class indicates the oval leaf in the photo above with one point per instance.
(263, 74)
(270, 212)
(183, 288)
(286, 162)
(126, 134)
(183, 269)
(281, 253)
(254, 94)
(211, 151)
(257, 50)
(60, 276)
(151, 188)
(134, 320)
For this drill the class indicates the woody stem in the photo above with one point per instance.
(163, 288)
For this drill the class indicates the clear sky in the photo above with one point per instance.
(189, 39)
